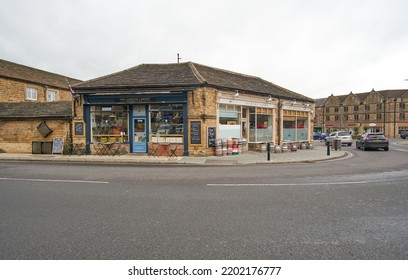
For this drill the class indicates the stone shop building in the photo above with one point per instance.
(35, 107)
(188, 105)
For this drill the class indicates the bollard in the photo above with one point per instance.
(268, 150)
(328, 148)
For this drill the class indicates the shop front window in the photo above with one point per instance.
(229, 121)
(109, 124)
(295, 126)
(289, 130)
(260, 125)
(166, 123)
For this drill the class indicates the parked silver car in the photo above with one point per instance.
(344, 136)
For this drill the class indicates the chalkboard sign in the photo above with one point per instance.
(58, 145)
(79, 128)
(195, 128)
(211, 137)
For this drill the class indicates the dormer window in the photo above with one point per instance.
(31, 93)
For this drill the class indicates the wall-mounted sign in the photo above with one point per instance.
(195, 131)
(246, 103)
(211, 136)
(79, 128)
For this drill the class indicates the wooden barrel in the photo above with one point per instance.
(229, 147)
(240, 146)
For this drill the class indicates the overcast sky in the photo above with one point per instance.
(312, 47)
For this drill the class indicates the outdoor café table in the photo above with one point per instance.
(110, 148)
(164, 147)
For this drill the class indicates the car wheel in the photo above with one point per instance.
(386, 149)
(364, 147)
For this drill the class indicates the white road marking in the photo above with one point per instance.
(293, 184)
(400, 150)
(55, 181)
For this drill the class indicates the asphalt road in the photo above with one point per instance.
(354, 208)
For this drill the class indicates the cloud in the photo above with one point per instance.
(312, 47)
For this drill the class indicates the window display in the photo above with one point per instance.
(109, 123)
(166, 123)
(260, 125)
(295, 126)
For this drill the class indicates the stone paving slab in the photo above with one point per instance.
(319, 153)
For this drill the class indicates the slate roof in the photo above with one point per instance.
(35, 110)
(28, 74)
(389, 93)
(320, 102)
(185, 76)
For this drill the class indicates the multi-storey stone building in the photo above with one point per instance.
(35, 107)
(375, 111)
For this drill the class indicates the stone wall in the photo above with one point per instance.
(17, 136)
(202, 107)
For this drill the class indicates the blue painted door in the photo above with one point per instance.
(139, 135)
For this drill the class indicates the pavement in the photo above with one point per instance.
(319, 153)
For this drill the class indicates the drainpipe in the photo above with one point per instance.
(279, 121)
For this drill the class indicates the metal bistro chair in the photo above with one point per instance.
(152, 150)
(173, 150)
(98, 148)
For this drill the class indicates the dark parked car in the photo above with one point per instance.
(319, 136)
(404, 135)
(372, 141)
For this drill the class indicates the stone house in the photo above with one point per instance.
(375, 111)
(35, 107)
(188, 105)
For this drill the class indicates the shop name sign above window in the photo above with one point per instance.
(135, 100)
(293, 108)
(246, 103)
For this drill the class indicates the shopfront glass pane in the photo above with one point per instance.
(302, 130)
(252, 127)
(166, 123)
(264, 128)
(289, 130)
(229, 118)
(109, 123)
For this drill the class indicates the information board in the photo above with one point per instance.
(195, 130)
(58, 145)
(211, 137)
(79, 128)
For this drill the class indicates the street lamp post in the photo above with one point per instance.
(384, 101)
(395, 114)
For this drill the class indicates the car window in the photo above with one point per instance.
(332, 134)
(344, 133)
(376, 136)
